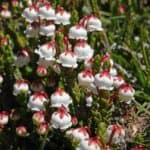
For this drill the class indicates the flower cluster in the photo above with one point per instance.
(42, 18)
(53, 106)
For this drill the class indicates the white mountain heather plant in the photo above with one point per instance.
(91, 81)
(65, 89)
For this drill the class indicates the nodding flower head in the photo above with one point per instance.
(92, 143)
(62, 111)
(21, 87)
(68, 59)
(94, 24)
(88, 73)
(31, 13)
(80, 133)
(5, 12)
(37, 100)
(47, 51)
(78, 32)
(40, 95)
(62, 16)
(22, 58)
(41, 71)
(38, 117)
(59, 98)
(118, 81)
(42, 128)
(61, 119)
(85, 78)
(4, 117)
(47, 28)
(126, 92)
(91, 23)
(21, 131)
(115, 133)
(104, 80)
(47, 12)
(83, 50)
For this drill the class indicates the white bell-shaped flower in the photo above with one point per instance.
(47, 29)
(83, 50)
(5, 13)
(61, 119)
(104, 80)
(21, 86)
(85, 78)
(94, 24)
(37, 100)
(47, 12)
(80, 133)
(78, 32)
(118, 80)
(115, 134)
(22, 58)
(31, 13)
(59, 98)
(47, 51)
(68, 59)
(89, 144)
(126, 92)
(62, 16)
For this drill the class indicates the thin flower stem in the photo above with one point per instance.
(43, 144)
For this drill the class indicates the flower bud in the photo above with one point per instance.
(38, 117)
(74, 120)
(21, 131)
(4, 117)
(42, 129)
(41, 71)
